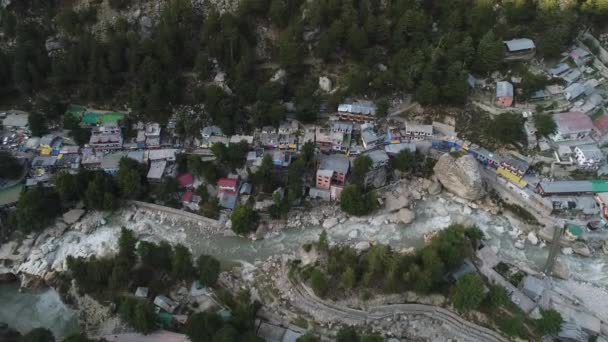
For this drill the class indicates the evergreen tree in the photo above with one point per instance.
(490, 53)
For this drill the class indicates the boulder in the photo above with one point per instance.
(435, 188)
(560, 270)
(581, 249)
(532, 238)
(461, 176)
(362, 246)
(325, 84)
(279, 76)
(406, 216)
(394, 203)
(330, 222)
(567, 251)
(73, 216)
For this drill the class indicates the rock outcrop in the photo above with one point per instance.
(461, 176)
(406, 216)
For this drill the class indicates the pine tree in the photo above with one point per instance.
(490, 53)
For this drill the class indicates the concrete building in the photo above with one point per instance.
(332, 170)
(504, 94)
(106, 137)
(571, 126)
(165, 303)
(359, 112)
(152, 134)
(227, 192)
(574, 91)
(157, 170)
(588, 156)
(414, 131)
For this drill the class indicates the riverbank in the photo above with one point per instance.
(42, 256)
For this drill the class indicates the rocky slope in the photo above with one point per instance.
(460, 176)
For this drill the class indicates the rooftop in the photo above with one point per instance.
(414, 127)
(396, 148)
(572, 122)
(519, 44)
(504, 88)
(378, 157)
(157, 168)
(559, 69)
(185, 179)
(601, 124)
(335, 162)
(16, 120)
(566, 186)
(516, 162)
(357, 108)
(591, 151)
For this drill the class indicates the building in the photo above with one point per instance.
(332, 170)
(574, 91)
(415, 131)
(581, 57)
(359, 112)
(16, 120)
(572, 126)
(186, 180)
(376, 176)
(588, 156)
(142, 292)
(484, 156)
(50, 143)
(106, 137)
(394, 149)
(531, 131)
(571, 76)
(165, 303)
(504, 94)
(227, 192)
(235, 139)
(518, 49)
(559, 69)
(157, 170)
(211, 131)
(369, 138)
(570, 188)
(111, 161)
(152, 134)
(514, 165)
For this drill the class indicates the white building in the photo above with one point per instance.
(588, 156)
(417, 131)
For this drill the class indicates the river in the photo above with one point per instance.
(31, 309)
(10, 194)
(433, 213)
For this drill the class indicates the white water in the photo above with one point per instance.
(434, 213)
(33, 309)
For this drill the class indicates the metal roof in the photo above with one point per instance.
(559, 69)
(572, 76)
(336, 162)
(515, 162)
(357, 108)
(504, 88)
(378, 157)
(572, 122)
(519, 44)
(566, 187)
(396, 148)
(590, 151)
(157, 168)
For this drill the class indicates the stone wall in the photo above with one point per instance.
(182, 213)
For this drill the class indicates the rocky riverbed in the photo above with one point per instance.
(413, 211)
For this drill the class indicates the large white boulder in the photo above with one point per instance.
(461, 176)
(406, 216)
(532, 238)
(325, 84)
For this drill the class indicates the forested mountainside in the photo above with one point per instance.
(246, 60)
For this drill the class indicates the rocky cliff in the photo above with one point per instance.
(460, 175)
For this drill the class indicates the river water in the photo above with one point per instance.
(434, 213)
(10, 195)
(31, 309)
